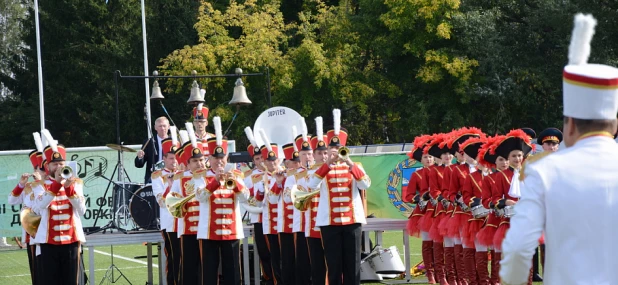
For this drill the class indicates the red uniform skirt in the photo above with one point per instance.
(486, 235)
(413, 220)
(434, 231)
(427, 219)
(443, 226)
(504, 226)
(473, 226)
(456, 223)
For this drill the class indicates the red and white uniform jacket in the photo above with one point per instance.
(203, 139)
(26, 195)
(298, 181)
(60, 211)
(183, 186)
(311, 215)
(268, 192)
(250, 181)
(220, 217)
(340, 200)
(285, 207)
(161, 186)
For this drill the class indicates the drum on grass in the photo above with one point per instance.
(144, 209)
(388, 261)
(368, 271)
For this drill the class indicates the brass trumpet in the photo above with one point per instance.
(230, 184)
(301, 199)
(176, 205)
(344, 153)
(66, 172)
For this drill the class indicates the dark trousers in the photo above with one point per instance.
(61, 264)
(275, 257)
(263, 252)
(342, 246)
(34, 273)
(226, 251)
(190, 267)
(172, 254)
(303, 264)
(287, 250)
(318, 264)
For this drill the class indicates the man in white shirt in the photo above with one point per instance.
(576, 207)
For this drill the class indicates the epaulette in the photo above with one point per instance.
(301, 174)
(200, 173)
(179, 175)
(248, 172)
(531, 159)
(156, 174)
(239, 174)
(255, 178)
(28, 188)
(290, 172)
(316, 166)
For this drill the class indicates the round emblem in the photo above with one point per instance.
(174, 148)
(56, 155)
(335, 139)
(305, 144)
(218, 149)
(320, 143)
(271, 154)
(200, 114)
(196, 151)
(295, 154)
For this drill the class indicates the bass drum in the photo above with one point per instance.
(144, 209)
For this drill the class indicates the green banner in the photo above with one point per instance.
(388, 173)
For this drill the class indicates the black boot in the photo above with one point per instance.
(535, 267)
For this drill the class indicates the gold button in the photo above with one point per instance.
(60, 212)
(339, 184)
(340, 204)
(61, 233)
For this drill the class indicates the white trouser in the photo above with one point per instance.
(449, 242)
(479, 247)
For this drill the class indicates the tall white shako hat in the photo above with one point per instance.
(590, 91)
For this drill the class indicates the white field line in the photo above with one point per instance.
(126, 258)
(100, 269)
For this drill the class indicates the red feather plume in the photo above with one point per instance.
(488, 146)
(471, 141)
(437, 140)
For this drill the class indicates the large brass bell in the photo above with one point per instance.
(240, 94)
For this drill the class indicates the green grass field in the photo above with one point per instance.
(14, 265)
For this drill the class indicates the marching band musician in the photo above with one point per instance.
(24, 193)
(200, 122)
(515, 146)
(285, 219)
(485, 236)
(312, 231)
(431, 185)
(219, 192)
(457, 220)
(268, 192)
(340, 210)
(581, 247)
(161, 185)
(183, 186)
(254, 176)
(413, 195)
(303, 262)
(60, 232)
(472, 194)
(150, 153)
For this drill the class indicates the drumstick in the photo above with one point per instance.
(146, 144)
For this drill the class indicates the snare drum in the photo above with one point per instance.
(388, 261)
(480, 212)
(368, 271)
(509, 211)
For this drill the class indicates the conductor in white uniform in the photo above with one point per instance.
(571, 195)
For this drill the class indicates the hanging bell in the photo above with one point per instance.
(196, 96)
(156, 92)
(240, 94)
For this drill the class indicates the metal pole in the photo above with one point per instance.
(39, 66)
(146, 80)
(270, 102)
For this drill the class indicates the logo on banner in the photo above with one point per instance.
(397, 182)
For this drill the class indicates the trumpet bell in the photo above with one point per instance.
(344, 153)
(29, 221)
(66, 172)
(301, 199)
(176, 205)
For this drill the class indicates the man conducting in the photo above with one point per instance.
(568, 194)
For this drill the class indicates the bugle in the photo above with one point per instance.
(176, 205)
(344, 153)
(301, 199)
(230, 184)
(66, 172)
